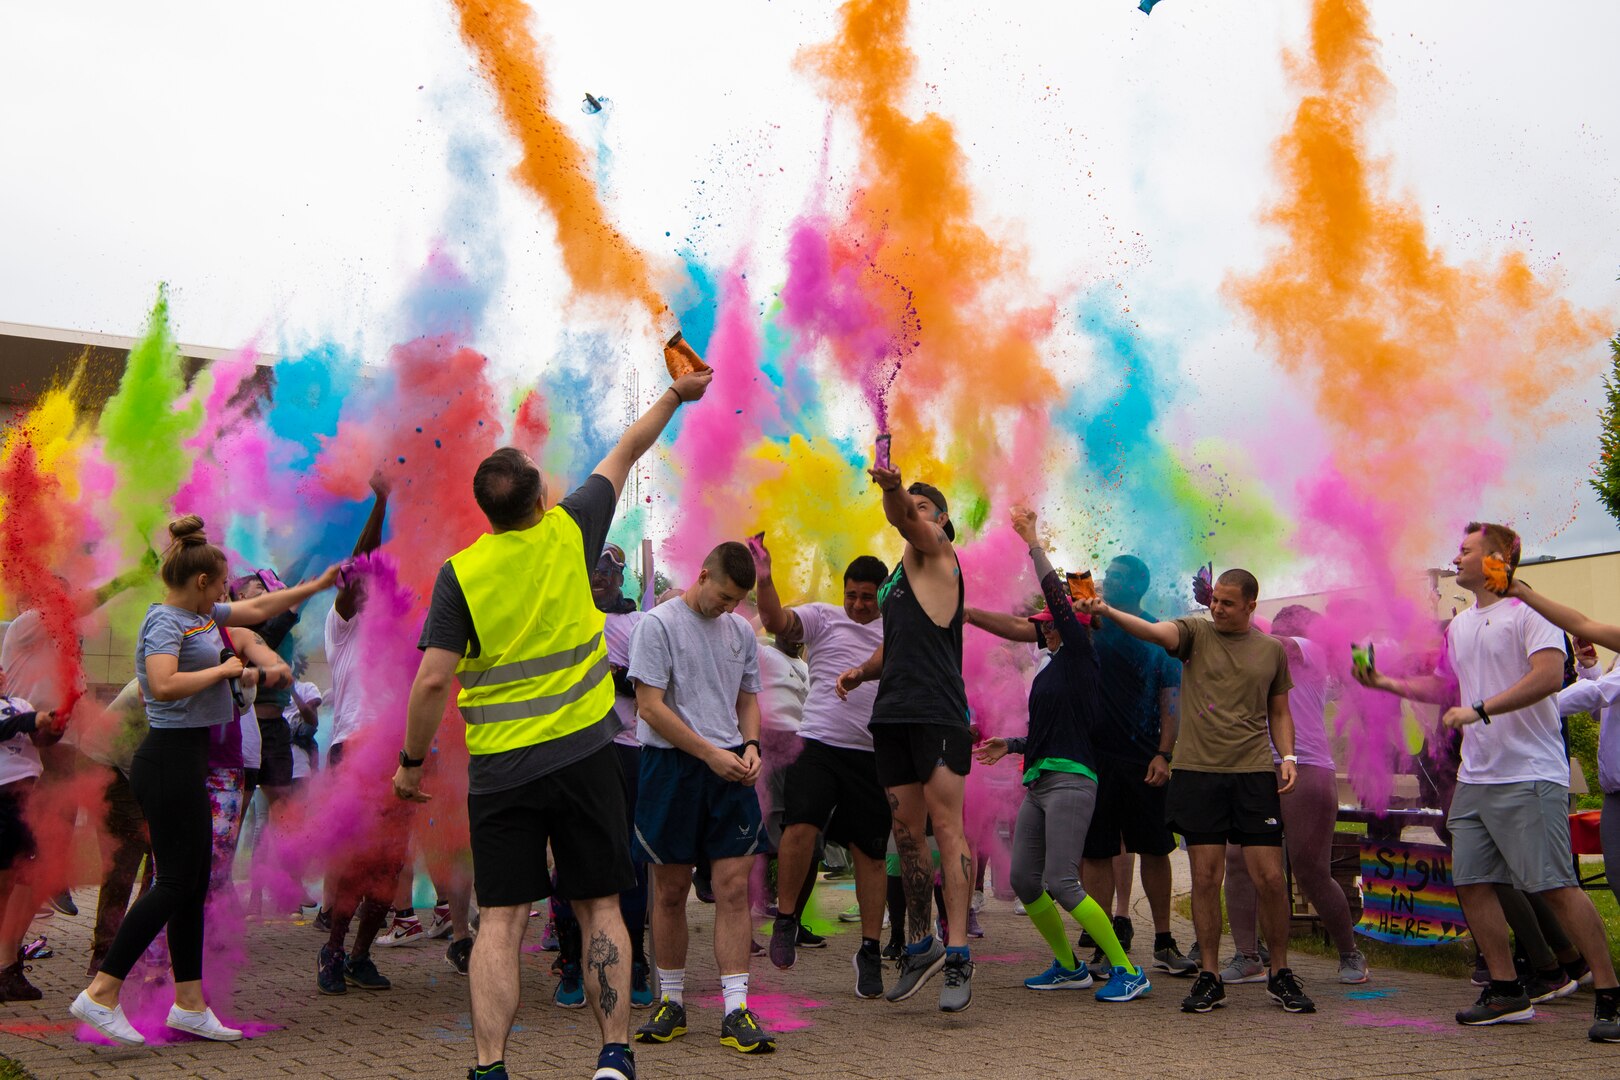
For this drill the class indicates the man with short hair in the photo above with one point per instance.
(1138, 687)
(695, 664)
(1509, 818)
(920, 732)
(832, 786)
(1223, 786)
(538, 702)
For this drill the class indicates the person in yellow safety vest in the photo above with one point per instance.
(512, 619)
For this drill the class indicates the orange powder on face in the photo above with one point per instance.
(599, 259)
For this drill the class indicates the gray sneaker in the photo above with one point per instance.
(916, 969)
(1243, 969)
(1353, 968)
(957, 994)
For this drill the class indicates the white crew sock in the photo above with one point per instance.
(672, 984)
(735, 989)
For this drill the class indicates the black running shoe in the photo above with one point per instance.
(1285, 989)
(1605, 1019)
(868, 973)
(784, 941)
(362, 973)
(668, 1022)
(1170, 959)
(63, 902)
(323, 920)
(1124, 931)
(1497, 1008)
(740, 1030)
(1207, 993)
(894, 950)
(14, 984)
(810, 940)
(459, 954)
(329, 972)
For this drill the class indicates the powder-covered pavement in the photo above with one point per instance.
(1398, 1025)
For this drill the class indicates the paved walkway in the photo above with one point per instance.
(1398, 1025)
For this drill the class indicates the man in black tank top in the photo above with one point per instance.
(920, 732)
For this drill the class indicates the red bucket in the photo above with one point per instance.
(1584, 838)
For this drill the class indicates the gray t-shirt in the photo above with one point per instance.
(195, 640)
(700, 664)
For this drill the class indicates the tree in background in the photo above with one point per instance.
(1607, 481)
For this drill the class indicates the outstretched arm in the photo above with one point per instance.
(1163, 634)
(1001, 624)
(641, 435)
(1566, 618)
(255, 611)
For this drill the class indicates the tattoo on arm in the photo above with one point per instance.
(603, 955)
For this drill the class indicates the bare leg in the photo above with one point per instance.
(1584, 926)
(910, 816)
(943, 794)
(671, 884)
(1156, 884)
(493, 974)
(1208, 868)
(1124, 871)
(871, 889)
(1265, 866)
(1097, 878)
(732, 926)
(1242, 902)
(1490, 929)
(607, 965)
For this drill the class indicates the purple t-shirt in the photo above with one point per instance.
(1308, 702)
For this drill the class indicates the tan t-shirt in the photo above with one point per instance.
(1225, 683)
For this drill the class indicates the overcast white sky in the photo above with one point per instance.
(284, 166)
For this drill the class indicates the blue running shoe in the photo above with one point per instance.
(1123, 986)
(1058, 977)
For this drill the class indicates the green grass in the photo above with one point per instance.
(10, 1070)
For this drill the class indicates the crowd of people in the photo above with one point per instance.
(619, 756)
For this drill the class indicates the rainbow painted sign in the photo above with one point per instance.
(1407, 897)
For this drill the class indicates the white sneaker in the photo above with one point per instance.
(442, 927)
(402, 931)
(978, 901)
(110, 1022)
(1018, 908)
(204, 1023)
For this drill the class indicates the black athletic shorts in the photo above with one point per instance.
(579, 810)
(836, 789)
(16, 838)
(1129, 812)
(909, 753)
(1221, 808)
(275, 753)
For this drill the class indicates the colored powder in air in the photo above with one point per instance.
(600, 261)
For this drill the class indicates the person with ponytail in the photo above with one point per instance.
(185, 672)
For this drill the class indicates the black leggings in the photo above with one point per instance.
(169, 776)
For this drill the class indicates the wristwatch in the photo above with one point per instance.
(755, 744)
(1479, 707)
(408, 762)
(1164, 754)
(1291, 757)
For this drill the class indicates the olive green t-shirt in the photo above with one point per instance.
(1226, 680)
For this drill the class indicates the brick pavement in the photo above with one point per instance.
(1398, 1025)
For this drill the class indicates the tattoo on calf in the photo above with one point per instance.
(967, 868)
(603, 955)
(917, 879)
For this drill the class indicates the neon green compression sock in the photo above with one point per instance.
(1043, 912)
(1090, 915)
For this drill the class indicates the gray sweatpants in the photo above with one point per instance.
(1049, 837)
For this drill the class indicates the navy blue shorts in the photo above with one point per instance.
(684, 811)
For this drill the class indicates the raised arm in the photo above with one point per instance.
(1001, 624)
(640, 436)
(901, 510)
(1163, 634)
(89, 600)
(1053, 587)
(257, 610)
(370, 539)
(1566, 618)
(781, 621)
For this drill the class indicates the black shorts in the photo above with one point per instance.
(1129, 813)
(836, 790)
(275, 752)
(1221, 808)
(579, 810)
(909, 753)
(16, 838)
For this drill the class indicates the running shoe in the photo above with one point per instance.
(668, 1022)
(641, 995)
(868, 973)
(957, 993)
(1580, 971)
(740, 1030)
(703, 886)
(63, 902)
(110, 1022)
(1018, 908)
(548, 935)
(784, 941)
(1058, 977)
(974, 929)
(852, 914)
(755, 948)
(362, 972)
(894, 950)
(1605, 1020)
(1243, 969)
(38, 949)
(1170, 959)
(1353, 968)
(1207, 994)
(1482, 973)
(323, 920)
(615, 1064)
(809, 940)
(1286, 990)
(14, 984)
(491, 1072)
(441, 927)
(977, 903)
(404, 931)
(570, 992)
(1125, 986)
(916, 968)
(1497, 1008)
(329, 971)
(1549, 986)
(459, 953)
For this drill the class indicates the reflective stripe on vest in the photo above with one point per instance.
(542, 669)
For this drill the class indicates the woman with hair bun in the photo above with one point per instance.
(185, 669)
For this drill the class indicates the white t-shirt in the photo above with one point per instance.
(617, 633)
(342, 655)
(834, 643)
(784, 684)
(701, 664)
(252, 741)
(310, 694)
(1490, 650)
(29, 658)
(19, 757)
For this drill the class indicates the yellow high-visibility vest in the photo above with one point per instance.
(542, 668)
